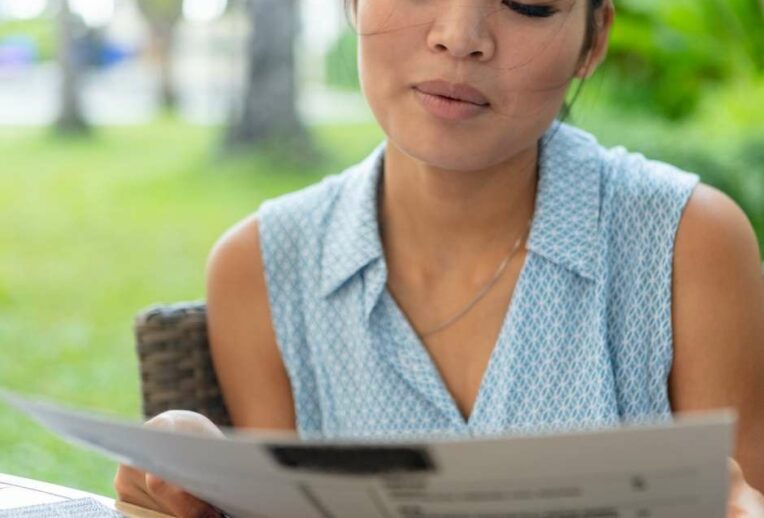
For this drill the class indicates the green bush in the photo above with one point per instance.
(663, 55)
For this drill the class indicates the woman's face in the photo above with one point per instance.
(521, 63)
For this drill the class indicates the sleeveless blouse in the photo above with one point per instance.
(587, 338)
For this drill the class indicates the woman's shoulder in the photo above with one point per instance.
(304, 205)
(627, 182)
(631, 180)
(634, 189)
(609, 199)
(638, 203)
(309, 210)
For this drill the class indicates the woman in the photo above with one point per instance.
(486, 268)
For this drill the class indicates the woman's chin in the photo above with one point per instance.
(456, 163)
(448, 157)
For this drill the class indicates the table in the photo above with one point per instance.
(21, 492)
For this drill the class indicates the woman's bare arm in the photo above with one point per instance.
(242, 341)
(718, 319)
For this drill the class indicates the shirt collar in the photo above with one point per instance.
(565, 227)
(352, 239)
(566, 218)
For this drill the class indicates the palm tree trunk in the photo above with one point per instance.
(268, 113)
(71, 119)
(163, 35)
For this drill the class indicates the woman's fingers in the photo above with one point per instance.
(151, 492)
(184, 421)
(129, 484)
(744, 501)
(177, 501)
(137, 487)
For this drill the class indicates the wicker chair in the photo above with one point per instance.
(175, 363)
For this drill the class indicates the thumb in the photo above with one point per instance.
(184, 421)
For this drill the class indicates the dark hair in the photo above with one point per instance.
(590, 24)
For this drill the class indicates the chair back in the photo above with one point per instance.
(175, 363)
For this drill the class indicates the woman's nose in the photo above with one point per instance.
(461, 29)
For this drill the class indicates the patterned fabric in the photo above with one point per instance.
(587, 340)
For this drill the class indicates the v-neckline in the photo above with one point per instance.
(428, 374)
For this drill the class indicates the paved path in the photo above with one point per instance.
(126, 95)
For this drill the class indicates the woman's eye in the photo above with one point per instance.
(533, 11)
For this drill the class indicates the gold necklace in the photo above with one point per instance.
(491, 282)
(484, 289)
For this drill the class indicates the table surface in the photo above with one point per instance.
(21, 492)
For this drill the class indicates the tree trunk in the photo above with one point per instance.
(162, 17)
(268, 114)
(163, 36)
(71, 119)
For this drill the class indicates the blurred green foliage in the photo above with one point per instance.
(664, 55)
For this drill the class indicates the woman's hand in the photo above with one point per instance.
(744, 501)
(146, 490)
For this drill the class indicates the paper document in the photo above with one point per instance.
(669, 470)
(79, 508)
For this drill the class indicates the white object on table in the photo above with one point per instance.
(18, 492)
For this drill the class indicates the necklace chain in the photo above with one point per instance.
(484, 289)
(488, 285)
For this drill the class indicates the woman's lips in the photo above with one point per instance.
(449, 109)
(459, 91)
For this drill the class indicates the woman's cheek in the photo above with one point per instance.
(372, 78)
(383, 69)
(538, 88)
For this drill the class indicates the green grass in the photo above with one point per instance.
(93, 231)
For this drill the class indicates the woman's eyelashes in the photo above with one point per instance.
(532, 11)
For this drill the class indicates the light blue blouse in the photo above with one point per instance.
(587, 340)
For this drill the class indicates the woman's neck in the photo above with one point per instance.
(435, 220)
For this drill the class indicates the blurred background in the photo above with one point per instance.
(134, 132)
